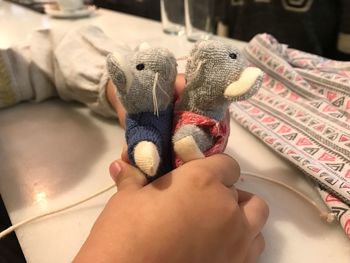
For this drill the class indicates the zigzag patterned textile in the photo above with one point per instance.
(302, 112)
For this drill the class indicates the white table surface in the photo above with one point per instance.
(54, 153)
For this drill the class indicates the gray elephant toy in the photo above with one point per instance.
(216, 75)
(145, 81)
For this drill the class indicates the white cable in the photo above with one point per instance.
(324, 213)
(28, 220)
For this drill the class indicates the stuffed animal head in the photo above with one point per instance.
(217, 74)
(144, 79)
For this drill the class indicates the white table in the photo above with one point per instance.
(54, 153)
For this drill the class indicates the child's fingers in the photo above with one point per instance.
(126, 177)
(256, 249)
(255, 210)
(220, 166)
(115, 102)
(124, 155)
(179, 84)
(120, 112)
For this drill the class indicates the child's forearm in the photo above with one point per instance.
(68, 64)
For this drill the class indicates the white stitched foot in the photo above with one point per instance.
(146, 157)
(187, 149)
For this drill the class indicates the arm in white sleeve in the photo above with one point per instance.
(70, 64)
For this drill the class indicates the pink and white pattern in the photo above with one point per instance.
(302, 112)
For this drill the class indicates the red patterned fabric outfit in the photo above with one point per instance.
(302, 112)
(219, 130)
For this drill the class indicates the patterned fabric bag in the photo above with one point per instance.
(302, 112)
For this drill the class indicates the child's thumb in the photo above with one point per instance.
(126, 177)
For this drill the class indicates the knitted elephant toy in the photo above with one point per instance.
(216, 75)
(145, 86)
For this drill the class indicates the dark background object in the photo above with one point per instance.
(10, 250)
(145, 8)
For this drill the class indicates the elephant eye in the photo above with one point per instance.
(233, 55)
(140, 66)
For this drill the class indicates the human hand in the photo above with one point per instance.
(192, 214)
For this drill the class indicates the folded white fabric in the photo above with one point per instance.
(13, 88)
(69, 64)
(302, 112)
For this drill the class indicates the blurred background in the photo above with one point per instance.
(320, 27)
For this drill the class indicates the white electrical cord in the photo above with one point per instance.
(324, 214)
(28, 220)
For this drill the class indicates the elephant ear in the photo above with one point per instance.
(119, 72)
(248, 80)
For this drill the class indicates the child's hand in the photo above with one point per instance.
(191, 214)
